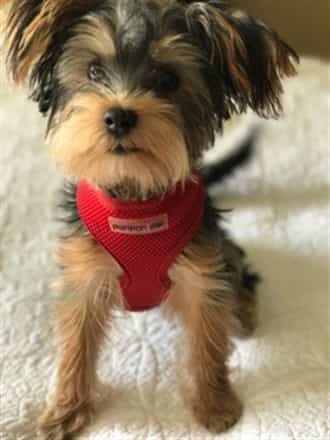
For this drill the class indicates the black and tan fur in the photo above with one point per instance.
(181, 68)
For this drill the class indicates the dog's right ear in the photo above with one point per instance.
(35, 33)
(35, 27)
(29, 31)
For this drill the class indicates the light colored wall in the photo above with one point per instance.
(305, 24)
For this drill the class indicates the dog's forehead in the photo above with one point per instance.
(135, 29)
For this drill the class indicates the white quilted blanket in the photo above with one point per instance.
(281, 216)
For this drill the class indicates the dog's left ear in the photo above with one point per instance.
(245, 61)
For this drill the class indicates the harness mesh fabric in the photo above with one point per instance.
(144, 237)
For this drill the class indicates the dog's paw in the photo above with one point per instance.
(62, 422)
(219, 413)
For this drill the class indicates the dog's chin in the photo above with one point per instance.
(137, 169)
(152, 163)
(131, 173)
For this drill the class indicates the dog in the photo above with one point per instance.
(134, 93)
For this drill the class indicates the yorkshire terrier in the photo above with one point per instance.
(134, 92)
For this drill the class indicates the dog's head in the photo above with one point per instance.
(134, 91)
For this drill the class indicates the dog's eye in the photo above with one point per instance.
(167, 81)
(95, 72)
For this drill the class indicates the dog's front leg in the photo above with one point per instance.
(203, 299)
(80, 324)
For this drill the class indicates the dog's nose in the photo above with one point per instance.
(120, 121)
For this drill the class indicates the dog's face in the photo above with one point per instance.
(136, 90)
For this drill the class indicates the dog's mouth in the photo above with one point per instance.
(123, 150)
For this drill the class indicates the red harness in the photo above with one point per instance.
(144, 237)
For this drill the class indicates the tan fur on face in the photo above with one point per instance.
(82, 146)
(93, 41)
(174, 49)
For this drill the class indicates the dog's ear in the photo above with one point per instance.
(245, 61)
(35, 32)
(34, 26)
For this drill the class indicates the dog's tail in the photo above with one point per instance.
(216, 172)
